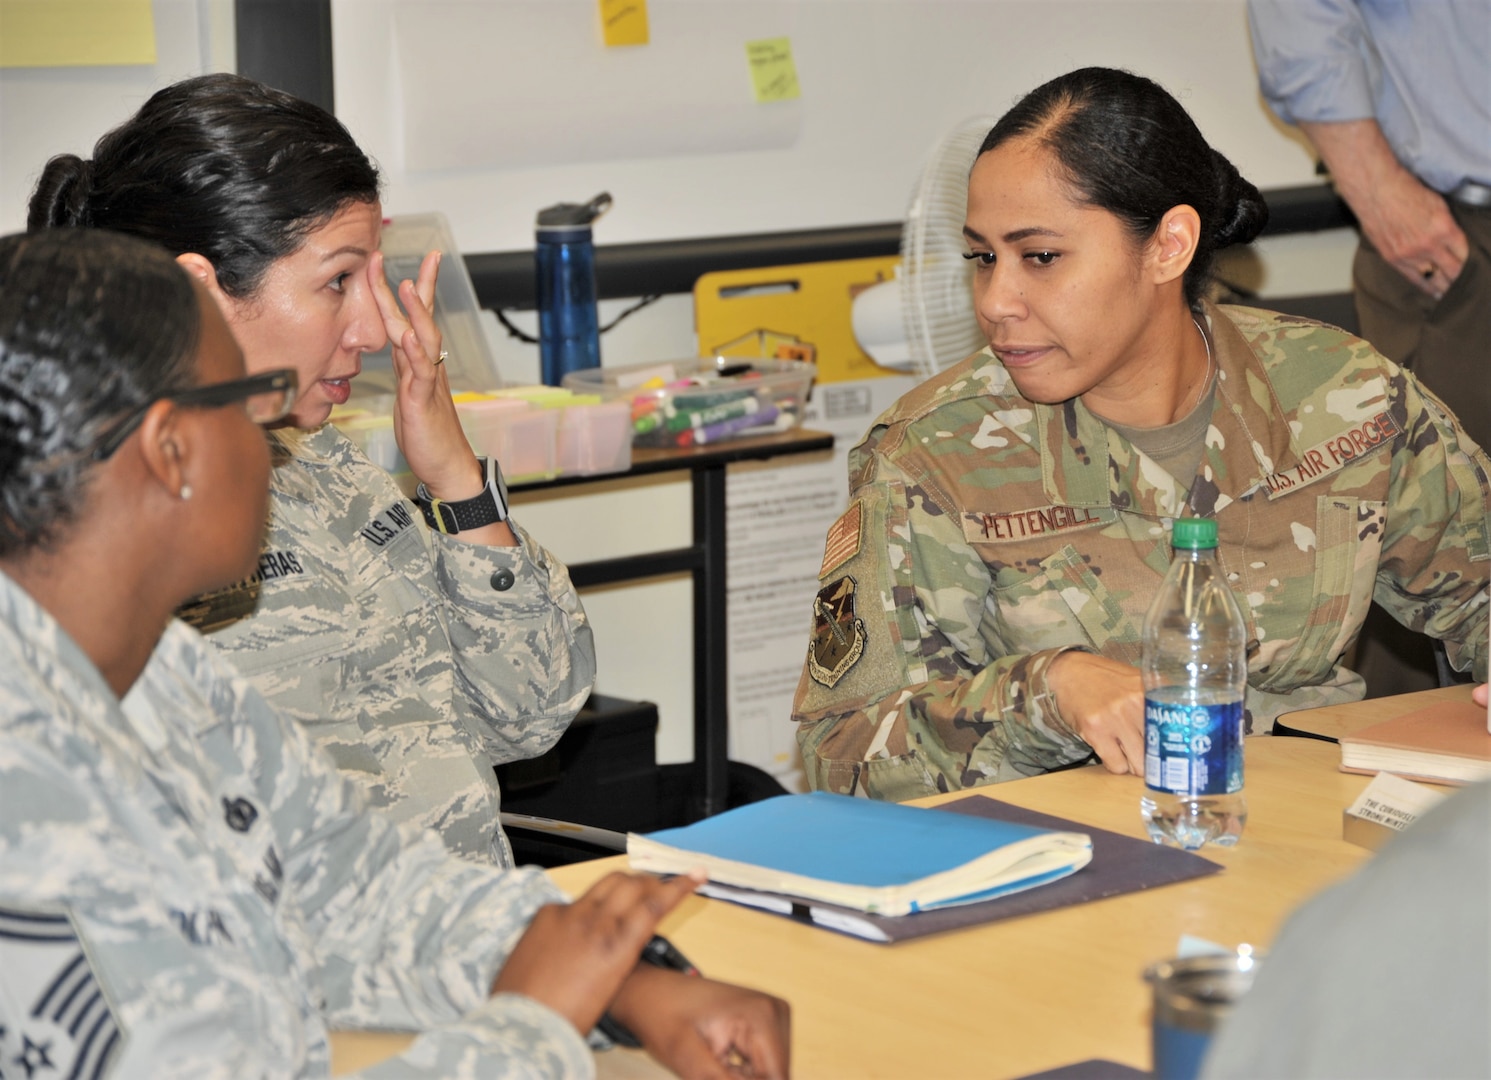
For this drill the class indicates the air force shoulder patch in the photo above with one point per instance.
(838, 637)
(54, 1019)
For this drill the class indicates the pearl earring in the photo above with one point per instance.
(186, 492)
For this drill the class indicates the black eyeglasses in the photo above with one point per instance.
(266, 398)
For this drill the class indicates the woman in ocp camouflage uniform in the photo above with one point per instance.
(418, 659)
(982, 597)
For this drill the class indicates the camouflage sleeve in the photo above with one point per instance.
(1436, 551)
(149, 991)
(908, 689)
(524, 653)
(407, 935)
(511, 1039)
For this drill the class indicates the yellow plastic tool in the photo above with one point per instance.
(765, 311)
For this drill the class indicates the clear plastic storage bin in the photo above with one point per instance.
(482, 422)
(537, 433)
(523, 437)
(595, 438)
(407, 238)
(696, 402)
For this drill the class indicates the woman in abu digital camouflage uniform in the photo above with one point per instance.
(187, 887)
(417, 657)
(981, 602)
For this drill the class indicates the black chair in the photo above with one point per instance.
(602, 780)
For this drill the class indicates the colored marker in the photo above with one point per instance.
(714, 414)
(725, 428)
(689, 403)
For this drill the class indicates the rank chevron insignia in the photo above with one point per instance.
(54, 1018)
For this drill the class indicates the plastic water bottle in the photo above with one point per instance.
(1195, 676)
(564, 256)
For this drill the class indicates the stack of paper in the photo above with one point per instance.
(1444, 743)
(876, 857)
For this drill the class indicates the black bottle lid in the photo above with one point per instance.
(574, 215)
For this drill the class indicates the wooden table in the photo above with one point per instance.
(1333, 721)
(1012, 998)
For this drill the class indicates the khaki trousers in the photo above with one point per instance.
(1447, 345)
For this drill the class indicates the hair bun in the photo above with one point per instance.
(15, 414)
(61, 196)
(1241, 212)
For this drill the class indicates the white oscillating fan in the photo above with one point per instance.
(923, 320)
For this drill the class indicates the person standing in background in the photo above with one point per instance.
(1395, 96)
(1396, 99)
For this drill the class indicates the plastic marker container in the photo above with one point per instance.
(696, 402)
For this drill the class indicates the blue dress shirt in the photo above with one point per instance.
(1421, 68)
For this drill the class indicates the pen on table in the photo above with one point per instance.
(660, 952)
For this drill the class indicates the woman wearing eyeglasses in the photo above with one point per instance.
(187, 886)
(418, 656)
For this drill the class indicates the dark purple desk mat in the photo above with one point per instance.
(1093, 1069)
(1120, 864)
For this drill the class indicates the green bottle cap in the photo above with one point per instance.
(1193, 534)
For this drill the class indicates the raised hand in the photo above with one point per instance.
(424, 419)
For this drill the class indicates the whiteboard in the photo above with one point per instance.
(491, 109)
(679, 95)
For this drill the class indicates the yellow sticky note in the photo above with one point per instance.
(76, 33)
(773, 73)
(624, 22)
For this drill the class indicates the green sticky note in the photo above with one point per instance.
(773, 73)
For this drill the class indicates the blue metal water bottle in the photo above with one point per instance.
(568, 330)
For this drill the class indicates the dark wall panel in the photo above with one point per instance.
(287, 44)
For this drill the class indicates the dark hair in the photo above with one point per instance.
(220, 165)
(1127, 146)
(92, 324)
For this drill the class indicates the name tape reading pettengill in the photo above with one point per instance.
(985, 527)
(1334, 453)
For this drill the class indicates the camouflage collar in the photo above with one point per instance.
(316, 447)
(1085, 463)
(298, 456)
(33, 644)
(1246, 442)
(1077, 473)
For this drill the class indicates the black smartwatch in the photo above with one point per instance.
(487, 508)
